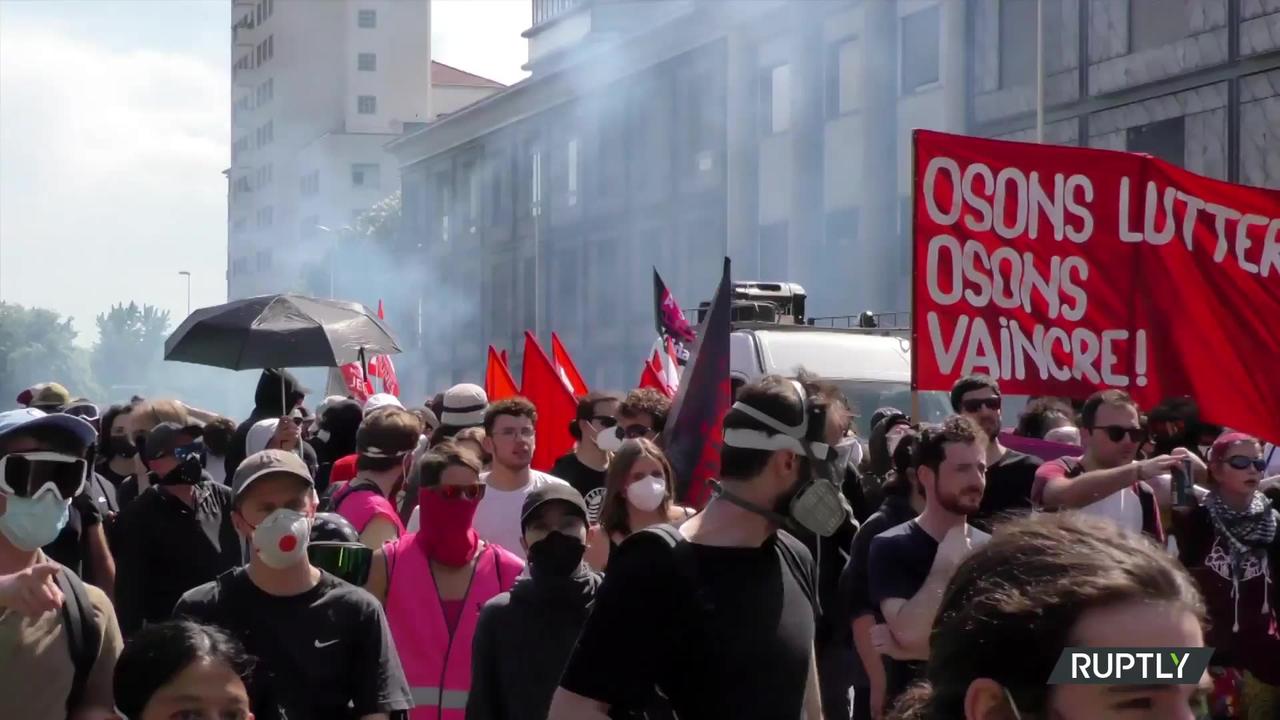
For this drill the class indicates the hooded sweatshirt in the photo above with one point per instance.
(269, 402)
(523, 641)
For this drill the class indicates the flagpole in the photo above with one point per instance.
(1040, 71)
(915, 322)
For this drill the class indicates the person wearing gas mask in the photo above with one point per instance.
(323, 646)
(639, 493)
(730, 590)
(595, 429)
(60, 637)
(434, 582)
(177, 534)
(524, 637)
(1010, 474)
(909, 565)
(385, 445)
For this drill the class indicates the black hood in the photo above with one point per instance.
(342, 421)
(268, 398)
(576, 592)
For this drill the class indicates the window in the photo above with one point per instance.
(367, 104)
(1018, 43)
(265, 216)
(266, 134)
(266, 91)
(1165, 139)
(444, 203)
(365, 175)
(842, 77)
(367, 19)
(1153, 23)
(535, 181)
(775, 99)
(920, 55)
(309, 184)
(263, 259)
(572, 161)
(264, 175)
(771, 250)
(475, 193)
(242, 184)
(367, 62)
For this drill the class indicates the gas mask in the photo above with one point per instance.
(815, 503)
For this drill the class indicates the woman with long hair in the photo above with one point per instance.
(639, 492)
(1043, 584)
(1230, 543)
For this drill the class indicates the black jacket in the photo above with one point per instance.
(270, 401)
(523, 641)
(163, 548)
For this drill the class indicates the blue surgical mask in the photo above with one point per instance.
(30, 524)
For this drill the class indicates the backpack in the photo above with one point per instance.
(333, 497)
(83, 634)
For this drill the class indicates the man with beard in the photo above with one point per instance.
(910, 565)
(1010, 474)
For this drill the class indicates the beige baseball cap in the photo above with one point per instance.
(268, 462)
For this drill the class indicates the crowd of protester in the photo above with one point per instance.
(371, 560)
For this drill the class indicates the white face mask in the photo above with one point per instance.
(894, 436)
(849, 453)
(281, 540)
(647, 494)
(609, 439)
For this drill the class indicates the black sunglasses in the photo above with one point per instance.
(635, 432)
(973, 406)
(1116, 433)
(604, 420)
(1242, 462)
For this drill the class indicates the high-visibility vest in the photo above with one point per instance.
(437, 664)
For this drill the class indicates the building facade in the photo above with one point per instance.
(318, 88)
(778, 133)
(670, 135)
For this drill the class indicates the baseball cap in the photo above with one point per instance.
(268, 462)
(28, 419)
(551, 493)
(166, 437)
(50, 395)
(381, 400)
(464, 406)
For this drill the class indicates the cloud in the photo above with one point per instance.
(111, 181)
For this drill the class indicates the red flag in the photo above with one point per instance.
(543, 386)
(567, 369)
(695, 426)
(498, 383)
(649, 379)
(357, 385)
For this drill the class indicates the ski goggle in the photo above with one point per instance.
(84, 411)
(26, 475)
(1243, 462)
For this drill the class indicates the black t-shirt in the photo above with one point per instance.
(898, 563)
(722, 632)
(583, 479)
(1008, 490)
(69, 547)
(326, 653)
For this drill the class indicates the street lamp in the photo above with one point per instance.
(188, 274)
(334, 251)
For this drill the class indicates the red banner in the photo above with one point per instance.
(1062, 270)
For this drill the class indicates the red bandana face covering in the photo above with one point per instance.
(446, 534)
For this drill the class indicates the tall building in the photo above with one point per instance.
(672, 134)
(318, 88)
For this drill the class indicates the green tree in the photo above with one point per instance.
(130, 344)
(38, 345)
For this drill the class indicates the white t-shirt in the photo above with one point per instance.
(1123, 508)
(498, 517)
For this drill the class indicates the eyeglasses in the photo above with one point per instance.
(1116, 433)
(460, 492)
(25, 475)
(973, 406)
(604, 421)
(1243, 462)
(635, 432)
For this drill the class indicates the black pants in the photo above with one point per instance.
(835, 677)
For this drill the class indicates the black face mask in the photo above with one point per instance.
(119, 446)
(556, 556)
(189, 472)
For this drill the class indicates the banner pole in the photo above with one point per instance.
(911, 239)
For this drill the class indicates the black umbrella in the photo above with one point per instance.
(279, 331)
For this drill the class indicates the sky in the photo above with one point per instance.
(115, 130)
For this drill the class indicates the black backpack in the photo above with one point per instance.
(83, 634)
